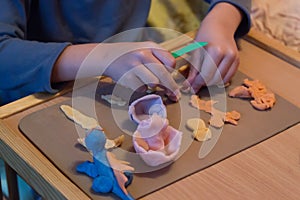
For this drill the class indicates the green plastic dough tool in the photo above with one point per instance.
(188, 48)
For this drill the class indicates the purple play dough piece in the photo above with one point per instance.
(146, 106)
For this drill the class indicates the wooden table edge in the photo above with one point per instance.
(273, 46)
(34, 167)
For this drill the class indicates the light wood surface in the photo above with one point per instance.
(273, 46)
(29, 101)
(38, 98)
(33, 166)
(278, 75)
(269, 170)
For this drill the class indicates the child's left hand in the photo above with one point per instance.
(216, 63)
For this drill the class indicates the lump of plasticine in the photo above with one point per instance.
(155, 141)
(109, 174)
(218, 117)
(153, 131)
(200, 131)
(146, 106)
(262, 97)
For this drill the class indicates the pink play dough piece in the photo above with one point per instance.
(146, 106)
(163, 140)
(154, 139)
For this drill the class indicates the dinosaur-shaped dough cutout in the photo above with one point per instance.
(109, 174)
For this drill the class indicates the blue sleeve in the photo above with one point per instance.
(245, 7)
(25, 66)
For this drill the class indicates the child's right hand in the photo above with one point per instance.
(141, 65)
(132, 64)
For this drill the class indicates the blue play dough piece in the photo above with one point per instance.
(100, 170)
(102, 184)
(88, 168)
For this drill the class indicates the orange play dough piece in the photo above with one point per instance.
(218, 117)
(200, 132)
(263, 98)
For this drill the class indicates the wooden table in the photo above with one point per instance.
(269, 170)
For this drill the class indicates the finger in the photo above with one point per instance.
(232, 70)
(223, 69)
(172, 95)
(220, 72)
(133, 82)
(195, 66)
(198, 83)
(165, 78)
(165, 58)
(145, 75)
(192, 75)
(209, 67)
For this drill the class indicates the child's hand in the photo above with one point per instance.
(219, 60)
(141, 64)
(136, 65)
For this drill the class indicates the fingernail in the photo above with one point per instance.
(185, 89)
(177, 94)
(223, 85)
(174, 96)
